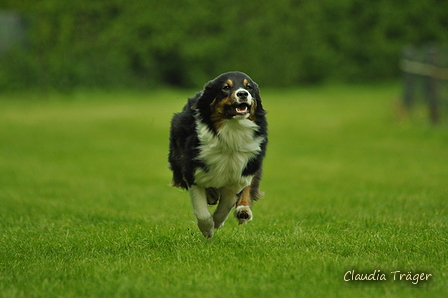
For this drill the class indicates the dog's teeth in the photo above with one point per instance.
(241, 111)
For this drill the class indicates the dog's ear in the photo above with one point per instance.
(203, 99)
(259, 106)
(194, 100)
(209, 85)
(206, 95)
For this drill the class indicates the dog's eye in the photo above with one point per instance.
(248, 86)
(226, 88)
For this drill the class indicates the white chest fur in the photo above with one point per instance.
(226, 153)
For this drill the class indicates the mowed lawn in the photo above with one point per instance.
(86, 209)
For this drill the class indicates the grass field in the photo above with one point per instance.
(86, 210)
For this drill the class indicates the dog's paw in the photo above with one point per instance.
(206, 226)
(243, 214)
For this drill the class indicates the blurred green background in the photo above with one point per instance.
(134, 43)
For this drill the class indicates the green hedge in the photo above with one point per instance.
(186, 42)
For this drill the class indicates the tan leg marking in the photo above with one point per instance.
(242, 210)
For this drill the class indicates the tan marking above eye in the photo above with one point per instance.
(228, 85)
(247, 84)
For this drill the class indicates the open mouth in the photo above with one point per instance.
(242, 109)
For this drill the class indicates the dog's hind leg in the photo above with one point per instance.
(226, 203)
(213, 195)
(204, 218)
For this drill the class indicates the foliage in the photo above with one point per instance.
(185, 43)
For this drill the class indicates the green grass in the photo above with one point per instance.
(86, 210)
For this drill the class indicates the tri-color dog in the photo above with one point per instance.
(217, 146)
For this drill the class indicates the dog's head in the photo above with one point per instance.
(232, 95)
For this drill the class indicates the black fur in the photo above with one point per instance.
(184, 140)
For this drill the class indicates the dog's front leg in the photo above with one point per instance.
(243, 212)
(204, 218)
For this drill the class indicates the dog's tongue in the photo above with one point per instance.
(241, 109)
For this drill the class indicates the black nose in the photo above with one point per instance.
(242, 94)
